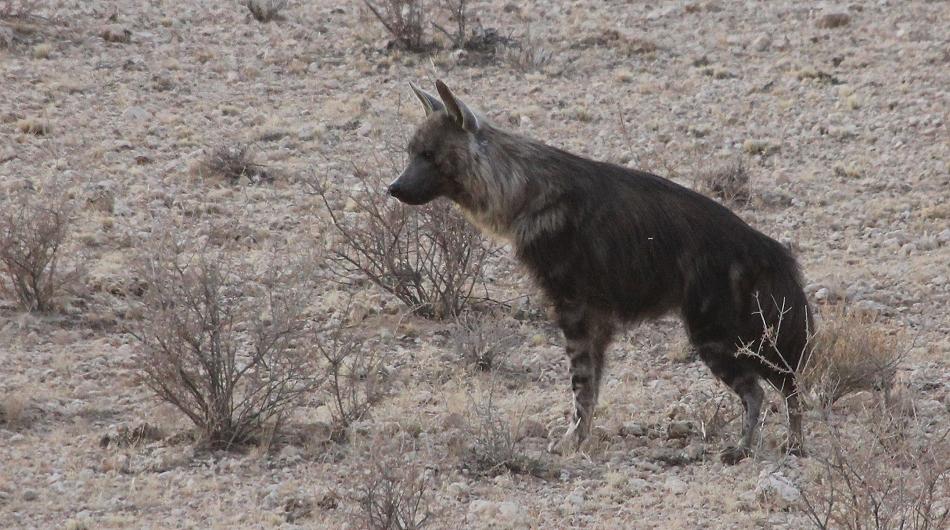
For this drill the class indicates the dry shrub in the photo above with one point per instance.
(35, 126)
(223, 343)
(10, 9)
(459, 15)
(729, 182)
(497, 446)
(526, 53)
(234, 163)
(405, 20)
(19, 23)
(851, 353)
(13, 411)
(885, 472)
(429, 257)
(481, 339)
(34, 226)
(354, 373)
(265, 10)
(395, 490)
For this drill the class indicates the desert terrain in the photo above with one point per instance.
(837, 111)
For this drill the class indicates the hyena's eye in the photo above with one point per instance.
(427, 155)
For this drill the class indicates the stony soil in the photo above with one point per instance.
(842, 123)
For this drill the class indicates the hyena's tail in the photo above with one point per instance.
(784, 314)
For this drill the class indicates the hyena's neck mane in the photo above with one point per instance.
(507, 191)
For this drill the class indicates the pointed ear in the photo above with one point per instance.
(456, 109)
(430, 102)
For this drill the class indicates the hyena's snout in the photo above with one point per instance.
(415, 186)
(398, 189)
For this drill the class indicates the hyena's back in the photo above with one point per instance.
(634, 245)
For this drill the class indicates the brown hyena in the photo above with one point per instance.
(610, 245)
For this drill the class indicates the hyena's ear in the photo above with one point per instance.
(456, 109)
(430, 102)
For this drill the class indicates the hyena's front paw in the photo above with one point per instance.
(572, 441)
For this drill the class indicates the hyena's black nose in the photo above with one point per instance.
(394, 189)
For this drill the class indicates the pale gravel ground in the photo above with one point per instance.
(196, 74)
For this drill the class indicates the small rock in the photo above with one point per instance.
(675, 486)
(759, 146)
(833, 20)
(679, 429)
(574, 502)
(633, 429)
(457, 490)
(533, 429)
(777, 491)
(296, 509)
(513, 512)
(505, 514)
(289, 454)
(115, 33)
(101, 196)
(30, 495)
(307, 133)
(762, 43)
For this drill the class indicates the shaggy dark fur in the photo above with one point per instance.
(611, 245)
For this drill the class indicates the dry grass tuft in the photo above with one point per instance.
(13, 413)
(234, 163)
(482, 339)
(850, 354)
(266, 10)
(729, 182)
(526, 53)
(35, 126)
(497, 446)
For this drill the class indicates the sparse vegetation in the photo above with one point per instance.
(526, 53)
(481, 339)
(395, 491)
(234, 163)
(265, 10)
(888, 472)
(851, 354)
(496, 444)
(126, 102)
(428, 257)
(729, 182)
(354, 373)
(34, 226)
(13, 413)
(221, 341)
(405, 20)
(35, 126)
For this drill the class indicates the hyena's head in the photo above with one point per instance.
(440, 152)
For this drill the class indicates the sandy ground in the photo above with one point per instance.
(843, 129)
